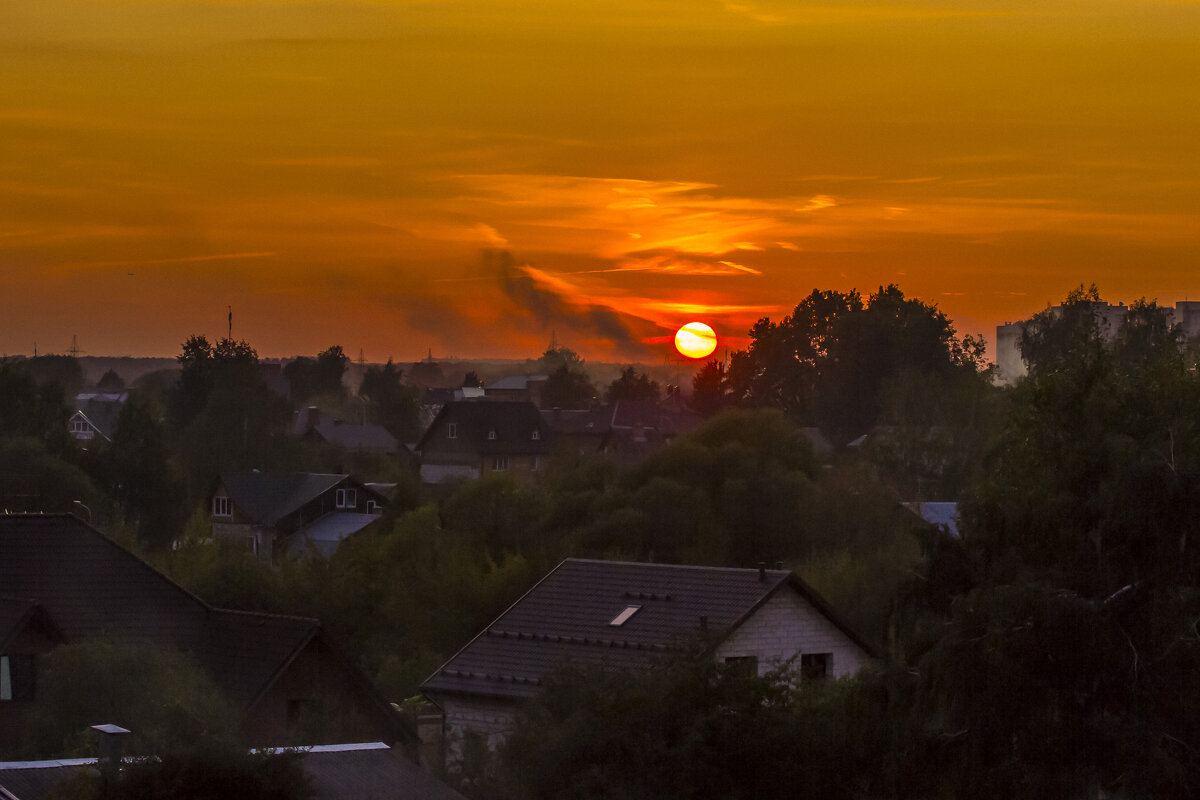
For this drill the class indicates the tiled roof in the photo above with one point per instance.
(267, 497)
(567, 617)
(14, 613)
(357, 437)
(369, 772)
(513, 423)
(90, 586)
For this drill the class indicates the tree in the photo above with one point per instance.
(32, 409)
(320, 377)
(709, 388)
(110, 381)
(162, 696)
(632, 386)
(392, 404)
(141, 474)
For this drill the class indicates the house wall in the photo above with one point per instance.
(326, 706)
(521, 466)
(489, 719)
(34, 640)
(786, 626)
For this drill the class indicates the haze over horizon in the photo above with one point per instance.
(467, 177)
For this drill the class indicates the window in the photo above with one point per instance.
(623, 617)
(346, 498)
(451, 430)
(222, 507)
(536, 435)
(743, 666)
(373, 507)
(79, 426)
(500, 462)
(492, 435)
(16, 677)
(815, 666)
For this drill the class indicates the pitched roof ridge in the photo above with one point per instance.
(268, 614)
(696, 567)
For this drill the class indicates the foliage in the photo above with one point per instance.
(62, 370)
(567, 382)
(203, 776)
(33, 479)
(632, 386)
(709, 387)
(828, 363)
(320, 377)
(110, 381)
(163, 697)
(32, 409)
(690, 727)
(392, 404)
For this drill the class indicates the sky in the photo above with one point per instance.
(473, 177)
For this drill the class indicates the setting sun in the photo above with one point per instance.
(695, 340)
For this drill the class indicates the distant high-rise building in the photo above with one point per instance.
(1011, 365)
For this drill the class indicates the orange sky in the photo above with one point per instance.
(471, 175)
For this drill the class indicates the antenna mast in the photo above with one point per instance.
(230, 321)
(74, 351)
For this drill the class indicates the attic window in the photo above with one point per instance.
(221, 507)
(492, 434)
(451, 430)
(536, 435)
(623, 617)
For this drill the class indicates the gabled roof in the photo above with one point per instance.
(90, 586)
(579, 422)
(267, 497)
(357, 437)
(101, 410)
(667, 419)
(514, 383)
(512, 421)
(568, 616)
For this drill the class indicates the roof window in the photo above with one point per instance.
(623, 617)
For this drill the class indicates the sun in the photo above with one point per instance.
(695, 340)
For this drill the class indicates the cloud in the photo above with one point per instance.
(546, 298)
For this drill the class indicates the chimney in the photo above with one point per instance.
(762, 571)
(314, 417)
(112, 745)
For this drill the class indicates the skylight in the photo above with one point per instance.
(623, 617)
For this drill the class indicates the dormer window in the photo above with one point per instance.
(222, 507)
(536, 435)
(492, 435)
(451, 430)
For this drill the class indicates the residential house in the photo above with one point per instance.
(584, 430)
(622, 616)
(472, 438)
(95, 417)
(317, 428)
(517, 387)
(63, 581)
(639, 427)
(275, 511)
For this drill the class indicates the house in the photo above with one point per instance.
(942, 515)
(317, 428)
(472, 438)
(63, 581)
(517, 387)
(95, 416)
(356, 771)
(583, 430)
(624, 615)
(275, 511)
(639, 427)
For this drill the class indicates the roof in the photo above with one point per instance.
(90, 586)
(512, 421)
(579, 422)
(101, 409)
(666, 419)
(329, 531)
(567, 617)
(944, 515)
(33, 780)
(357, 437)
(16, 614)
(513, 382)
(369, 771)
(267, 497)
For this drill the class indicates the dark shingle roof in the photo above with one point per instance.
(267, 497)
(14, 613)
(374, 438)
(513, 423)
(369, 772)
(90, 586)
(566, 618)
